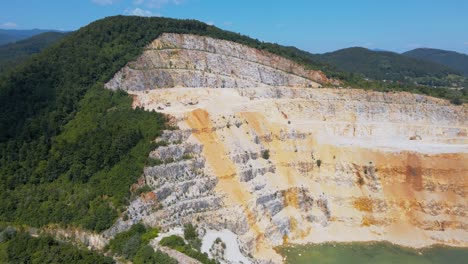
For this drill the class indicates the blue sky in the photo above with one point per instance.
(315, 26)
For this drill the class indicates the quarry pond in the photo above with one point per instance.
(376, 253)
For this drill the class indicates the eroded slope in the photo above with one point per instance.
(175, 60)
(276, 162)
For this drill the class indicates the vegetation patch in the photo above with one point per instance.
(83, 175)
(133, 245)
(15, 53)
(319, 163)
(178, 243)
(389, 71)
(191, 236)
(20, 247)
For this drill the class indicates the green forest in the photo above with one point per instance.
(133, 245)
(20, 247)
(69, 149)
(15, 53)
(381, 65)
(389, 71)
(452, 59)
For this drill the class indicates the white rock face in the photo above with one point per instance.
(175, 60)
(232, 253)
(280, 164)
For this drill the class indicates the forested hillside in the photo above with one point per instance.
(70, 149)
(383, 64)
(394, 67)
(454, 60)
(13, 54)
(13, 35)
(20, 247)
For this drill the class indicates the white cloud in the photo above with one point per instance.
(211, 23)
(105, 2)
(157, 3)
(466, 43)
(140, 12)
(9, 25)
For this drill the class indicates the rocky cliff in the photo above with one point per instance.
(277, 160)
(175, 60)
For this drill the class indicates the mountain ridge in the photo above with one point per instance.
(455, 60)
(15, 53)
(380, 57)
(13, 35)
(394, 68)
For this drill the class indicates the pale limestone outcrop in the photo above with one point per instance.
(373, 181)
(79, 237)
(175, 60)
(342, 164)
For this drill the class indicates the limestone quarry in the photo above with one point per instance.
(261, 149)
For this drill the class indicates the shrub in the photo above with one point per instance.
(187, 157)
(161, 257)
(173, 241)
(266, 154)
(456, 101)
(128, 243)
(319, 162)
(22, 248)
(150, 162)
(7, 234)
(143, 189)
(150, 234)
(190, 232)
(133, 245)
(178, 243)
(146, 255)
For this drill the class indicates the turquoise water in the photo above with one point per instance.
(378, 253)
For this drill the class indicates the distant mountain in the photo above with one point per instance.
(455, 60)
(377, 49)
(390, 66)
(14, 53)
(12, 35)
(382, 65)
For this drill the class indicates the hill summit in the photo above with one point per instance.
(454, 60)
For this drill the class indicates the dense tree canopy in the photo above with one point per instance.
(399, 72)
(452, 59)
(20, 247)
(133, 245)
(15, 53)
(69, 150)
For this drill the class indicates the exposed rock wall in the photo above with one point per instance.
(175, 60)
(278, 164)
